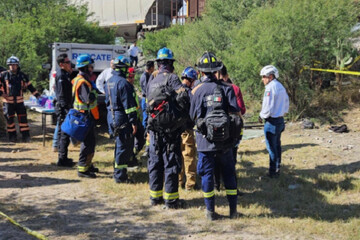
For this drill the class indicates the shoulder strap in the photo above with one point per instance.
(111, 106)
(167, 79)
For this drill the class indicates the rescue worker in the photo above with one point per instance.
(164, 152)
(2, 118)
(85, 100)
(13, 84)
(202, 103)
(122, 117)
(144, 79)
(105, 75)
(188, 148)
(224, 76)
(274, 106)
(63, 91)
(139, 139)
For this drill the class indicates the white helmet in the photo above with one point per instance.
(268, 70)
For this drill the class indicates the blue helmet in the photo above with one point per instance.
(165, 54)
(190, 73)
(121, 62)
(83, 60)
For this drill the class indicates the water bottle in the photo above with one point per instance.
(49, 103)
(32, 99)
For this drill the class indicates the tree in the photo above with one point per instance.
(28, 27)
(291, 35)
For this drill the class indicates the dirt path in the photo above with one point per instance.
(58, 204)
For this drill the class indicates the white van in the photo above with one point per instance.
(101, 53)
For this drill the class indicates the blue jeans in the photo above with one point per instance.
(272, 129)
(145, 116)
(56, 137)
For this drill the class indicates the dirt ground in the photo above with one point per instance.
(56, 203)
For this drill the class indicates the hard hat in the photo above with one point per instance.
(165, 54)
(131, 72)
(190, 73)
(12, 60)
(268, 70)
(121, 62)
(209, 63)
(84, 60)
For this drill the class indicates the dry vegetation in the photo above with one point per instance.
(317, 196)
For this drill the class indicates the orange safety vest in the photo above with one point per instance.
(78, 104)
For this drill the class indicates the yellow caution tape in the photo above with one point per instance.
(333, 71)
(27, 230)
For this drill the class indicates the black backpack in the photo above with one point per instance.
(165, 114)
(216, 124)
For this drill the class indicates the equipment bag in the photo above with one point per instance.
(76, 124)
(165, 115)
(216, 124)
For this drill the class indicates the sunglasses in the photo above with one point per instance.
(67, 62)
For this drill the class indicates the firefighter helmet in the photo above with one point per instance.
(209, 63)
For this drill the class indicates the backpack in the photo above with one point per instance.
(216, 124)
(165, 114)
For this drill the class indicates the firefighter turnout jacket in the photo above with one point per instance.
(13, 86)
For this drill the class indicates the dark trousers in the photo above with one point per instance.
(205, 169)
(132, 60)
(124, 144)
(164, 162)
(87, 150)
(139, 137)
(63, 138)
(273, 128)
(10, 109)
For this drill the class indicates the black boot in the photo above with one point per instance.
(154, 202)
(234, 214)
(87, 174)
(176, 205)
(68, 162)
(26, 137)
(93, 169)
(12, 137)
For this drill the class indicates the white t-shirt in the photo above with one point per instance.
(103, 77)
(134, 51)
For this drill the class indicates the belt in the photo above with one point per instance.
(271, 118)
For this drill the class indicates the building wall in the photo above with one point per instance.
(195, 8)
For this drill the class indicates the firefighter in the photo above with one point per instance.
(164, 163)
(2, 118)
(203, 102)
(86, 101)
(122, 117)
(188, 148)
(13, 84)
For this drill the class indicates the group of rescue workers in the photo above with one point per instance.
(179, 118)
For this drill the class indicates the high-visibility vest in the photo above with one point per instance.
(78, 104)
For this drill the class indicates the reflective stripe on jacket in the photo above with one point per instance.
(78, 104)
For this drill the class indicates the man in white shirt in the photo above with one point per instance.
(104, 76)
(275, 105)
(134, 51)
